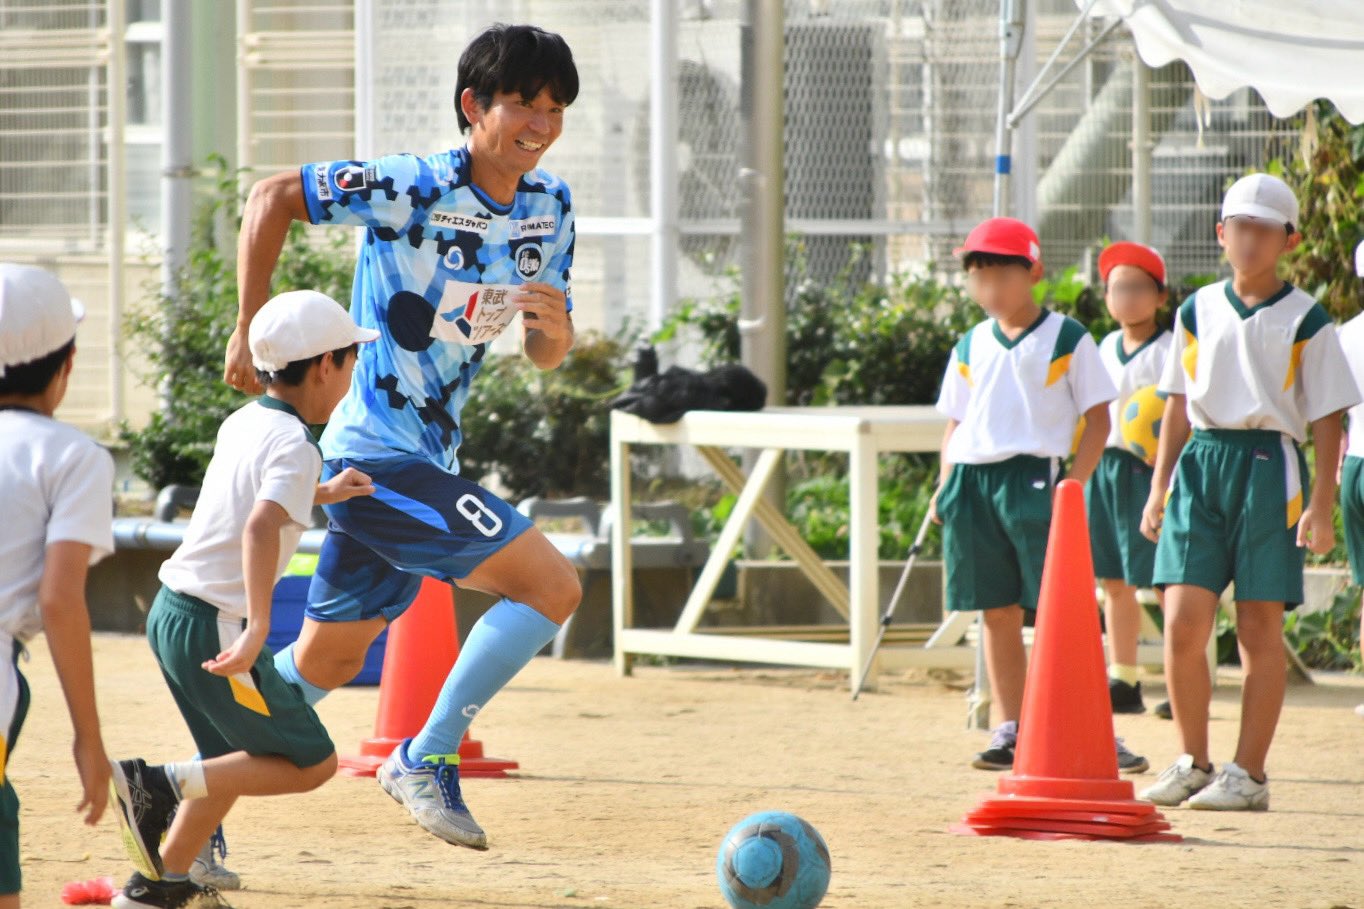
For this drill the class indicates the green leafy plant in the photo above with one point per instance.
(1326, 170)
(1328, 639)
(545, 433)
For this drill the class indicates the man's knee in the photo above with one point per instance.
(561, 597)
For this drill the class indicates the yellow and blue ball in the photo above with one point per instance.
(1139, 422)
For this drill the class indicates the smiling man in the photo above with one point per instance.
(456, 243)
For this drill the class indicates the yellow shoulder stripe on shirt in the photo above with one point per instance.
(1313, 321)
(1068, 338)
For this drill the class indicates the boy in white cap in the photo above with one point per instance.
(207, 627)
(57, 486)
(1351, 474)
(1134, 354)
(1254, 364)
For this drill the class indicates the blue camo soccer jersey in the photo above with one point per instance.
(435, 275)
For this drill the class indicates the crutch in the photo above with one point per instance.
(894, 599)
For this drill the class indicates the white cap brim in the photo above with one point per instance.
(366, 335)
(1258, 212)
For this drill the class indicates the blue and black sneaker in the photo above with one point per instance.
(429, 788)
(146, 800)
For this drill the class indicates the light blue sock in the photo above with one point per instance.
(288, 670)
(498, 646)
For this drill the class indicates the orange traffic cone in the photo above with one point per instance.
(423, 644)
(1065, 783)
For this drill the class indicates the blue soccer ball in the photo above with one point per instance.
(773, 860)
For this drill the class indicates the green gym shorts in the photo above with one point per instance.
(1232, 516)
(256, 712)
(13, 709)
(1352, 512)
(996, 518)
(1114, 498)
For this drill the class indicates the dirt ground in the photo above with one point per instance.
(627, 785)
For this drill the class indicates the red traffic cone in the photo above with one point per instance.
(423, 644)
(1064, 783)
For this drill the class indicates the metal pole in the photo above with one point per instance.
(1141, 150)
(176, 148)
(244, 156)
(364, 80)
(663, 183)
(762, 225)
(762, 322)
(1010, 39)
(116, 161)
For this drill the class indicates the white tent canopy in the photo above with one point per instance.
(1290, 51)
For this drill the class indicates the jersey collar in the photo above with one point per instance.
(1003, 339)
(270, 403)
(1124, 358)
(1244, 311)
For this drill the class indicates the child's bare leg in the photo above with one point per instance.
(1005, 659)
(226, 778)
(1259, 631)
(1189, 615)
(9, 901)
(1122, 618)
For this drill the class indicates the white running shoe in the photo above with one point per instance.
(1232, 790)
(430, 790)
(1176, 783)
(208, 871)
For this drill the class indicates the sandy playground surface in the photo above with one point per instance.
(627, 785)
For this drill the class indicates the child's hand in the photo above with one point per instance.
(1315, 531)
(241, 656)
(92, 766)
(933, 507)
(1152, 517)
(347, 484)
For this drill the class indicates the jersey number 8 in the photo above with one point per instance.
(479, 515)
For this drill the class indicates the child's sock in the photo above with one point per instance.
(188, 778)
(1128, 674)
(172, 878)
(498, 646)
(288, 670)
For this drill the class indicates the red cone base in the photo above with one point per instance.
(1065, 783)
(472, 763)
(423, 644)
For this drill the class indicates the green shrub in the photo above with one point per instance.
(545, 433)
(1328, 639)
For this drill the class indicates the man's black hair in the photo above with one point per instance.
(33, 378)
(292, 374)
(515, 58)
(973, 260)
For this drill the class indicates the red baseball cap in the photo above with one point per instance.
(1128, 253)
(1002, 237)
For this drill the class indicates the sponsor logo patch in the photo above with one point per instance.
(459, 222)
(473, 313)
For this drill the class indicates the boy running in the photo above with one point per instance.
(57, 487)
(1254, 364)
(207, 627)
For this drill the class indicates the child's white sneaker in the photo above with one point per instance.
(1177, 782)
(1232, 790)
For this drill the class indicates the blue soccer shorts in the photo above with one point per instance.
(421, 521)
